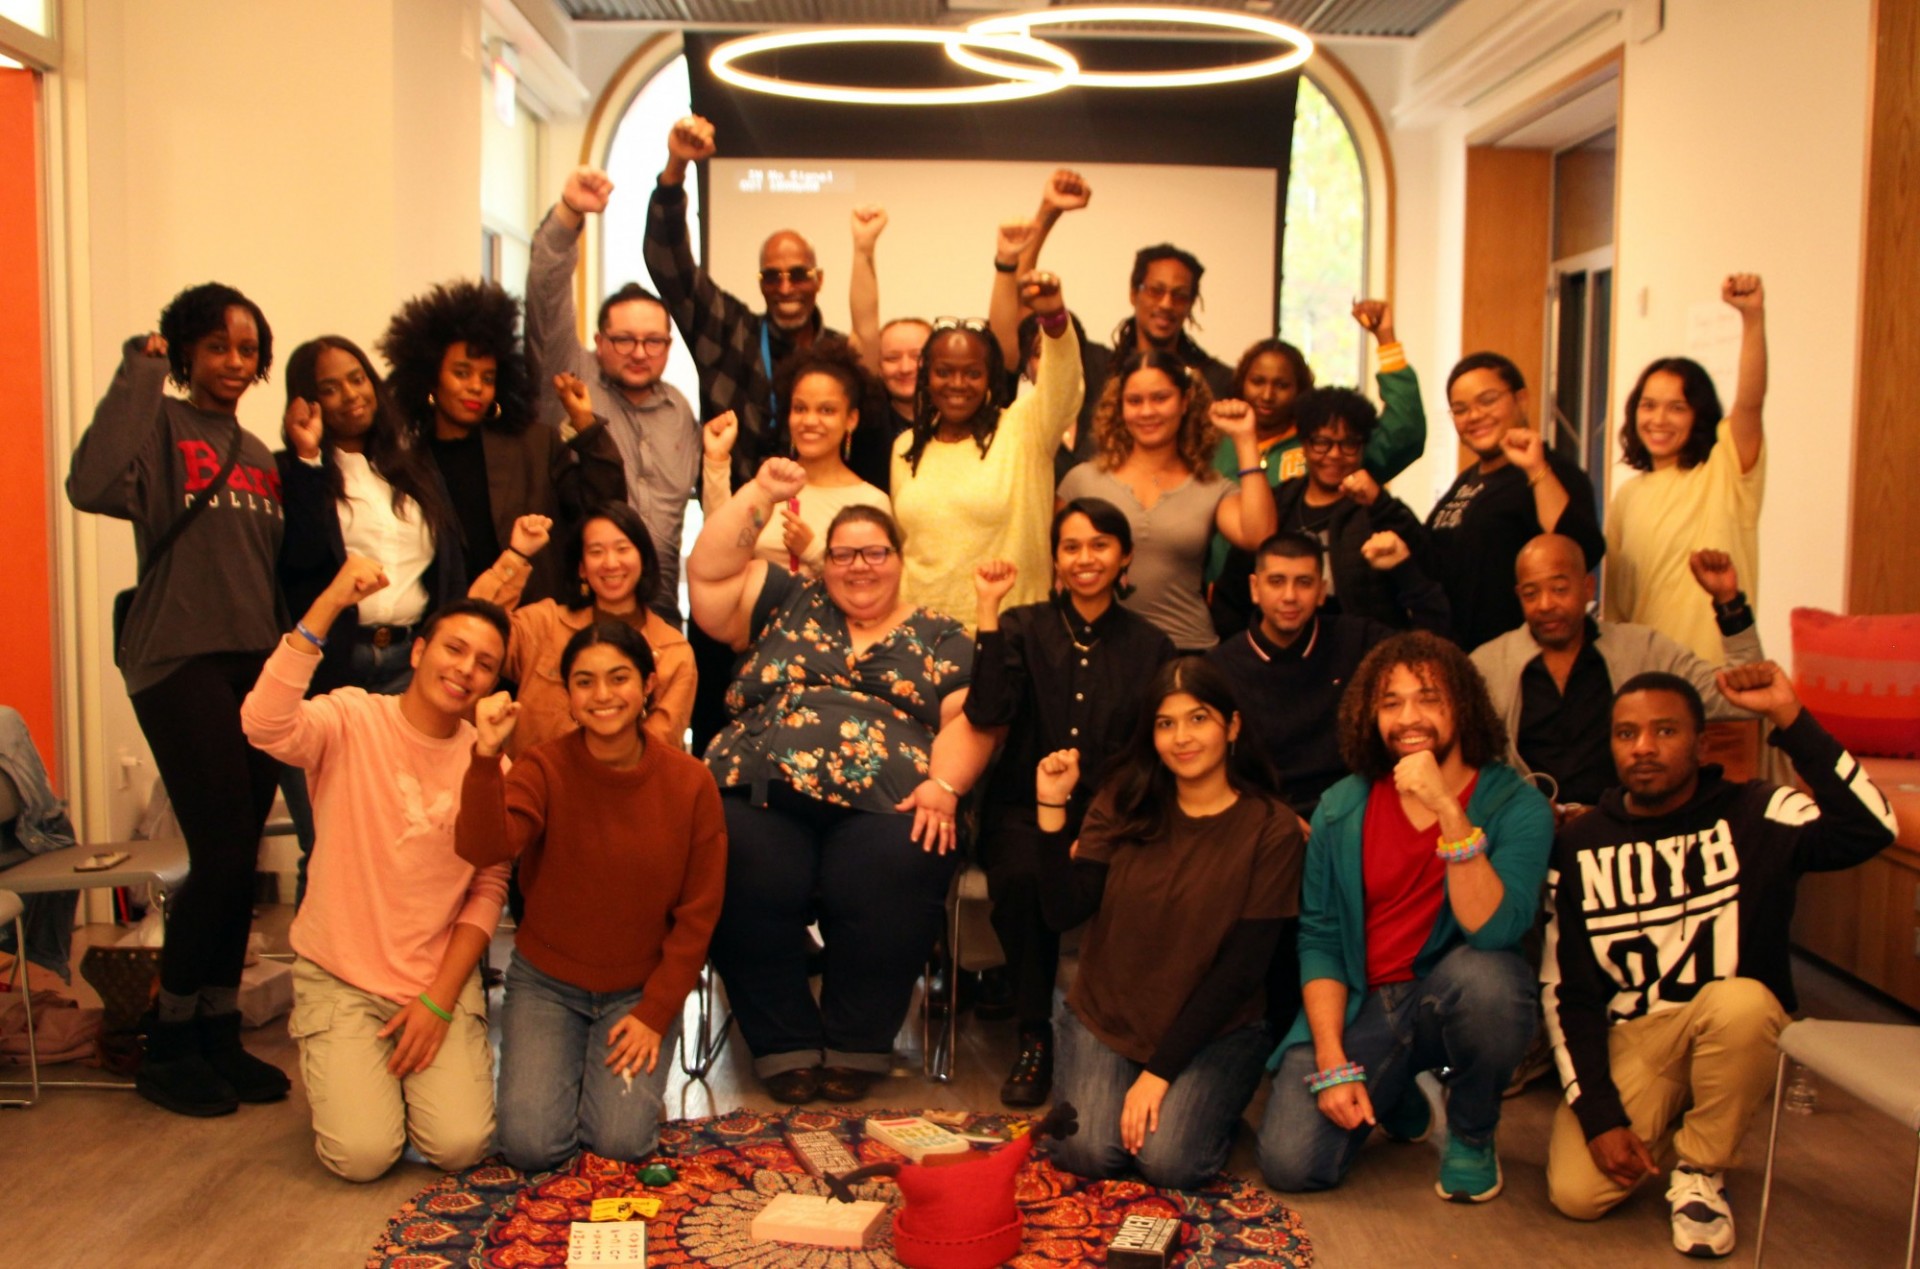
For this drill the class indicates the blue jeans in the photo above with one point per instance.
(557, 1095)
(1473, 1015)
(1196, 1117)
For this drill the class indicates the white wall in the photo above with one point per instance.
(322, 158)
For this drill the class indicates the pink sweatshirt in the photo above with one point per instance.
(385, 888)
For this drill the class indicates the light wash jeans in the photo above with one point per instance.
(557, 1094)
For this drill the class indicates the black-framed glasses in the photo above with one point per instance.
(977, 325)
(799, 275)
(1321, 446)
(625, 344)
(843, 556)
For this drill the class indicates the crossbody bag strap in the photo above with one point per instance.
(199, 504)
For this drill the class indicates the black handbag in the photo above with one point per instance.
(123, 602)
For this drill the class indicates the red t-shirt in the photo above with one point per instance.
(1405, 883)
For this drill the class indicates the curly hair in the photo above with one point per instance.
(1697, 386)
(1144, 790)
(1478, 731)
(480, 315)
(985, 421)
(389, 451)
(199, 311)
(1323, 409)
(1196, 441)
(827, 355)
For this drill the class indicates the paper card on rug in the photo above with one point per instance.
(915, 1137)
(623, 1209)
(612, 1245)
(817, 1221)
(821, 1152)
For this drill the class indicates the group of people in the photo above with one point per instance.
(1142, 632)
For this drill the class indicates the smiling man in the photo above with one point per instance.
(1666, 977)
(388, 1007)
(650, 421)
(1423, 872)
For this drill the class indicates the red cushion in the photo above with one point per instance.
(1861, 678)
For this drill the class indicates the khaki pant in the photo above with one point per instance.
(1709, 1064)
(363, 1116)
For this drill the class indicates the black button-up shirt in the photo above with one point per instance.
(1568, 733)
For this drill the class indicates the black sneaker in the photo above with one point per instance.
(253, 1081)
(1030, 1082)
(176, 1076)
(993, 995)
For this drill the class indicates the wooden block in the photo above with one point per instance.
(1143, 1242)
(817, 1221)
(916, 1137)
(821, 1152)
(611, 1245)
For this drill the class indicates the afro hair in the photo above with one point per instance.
(200, 311)
(483, 317)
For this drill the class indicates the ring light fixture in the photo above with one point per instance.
(1012, 80)
(1299, 50)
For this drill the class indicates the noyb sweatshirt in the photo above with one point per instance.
(1646, 911)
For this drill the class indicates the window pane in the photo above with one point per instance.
(1323, 269)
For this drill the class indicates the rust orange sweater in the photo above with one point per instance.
(623, 871)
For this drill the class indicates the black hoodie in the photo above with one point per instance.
(1648, 910)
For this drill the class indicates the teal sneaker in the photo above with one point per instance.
(1410, 1119)
(1468, 1173)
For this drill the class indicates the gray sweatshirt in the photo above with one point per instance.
(143, 458)
(659, 439)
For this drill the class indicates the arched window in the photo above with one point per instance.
(1334, 228)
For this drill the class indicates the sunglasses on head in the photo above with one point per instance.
(795, 274)
(977, 325)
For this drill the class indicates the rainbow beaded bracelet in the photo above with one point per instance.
(1471, 846)
(1348, 1073)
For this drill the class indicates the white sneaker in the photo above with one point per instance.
(1702, 1218)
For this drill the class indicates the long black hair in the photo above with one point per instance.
(200, 311)
(624, 518)
(1144, 790)
(388, 449)
(481, 315)
(619, 634)
(926, 419)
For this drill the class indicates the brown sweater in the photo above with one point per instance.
(623, 871)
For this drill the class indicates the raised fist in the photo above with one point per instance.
(690, 139)
(530, 535)
(868, 223)
(718, 436)
(1744, 292)
(587, 191)
(1056, 776)
(303, 428)
(357, 578)
(156, 346)
(1232, 419)
(992, 579)
(1040, 291)
(1010, 239)
(1715, 572)
(572, 391)
(1361, 487)
(1376, 318)
(1385, 550)
(1066, 190)
(1761, 687)
(1524, 449)
(783, 478)
(494, 718)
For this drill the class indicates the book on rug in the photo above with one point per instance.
(609, 1245)
(916, 1137)
(821, 1152)
(1143, 1242)
(817, 1220)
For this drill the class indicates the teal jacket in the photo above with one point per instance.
(1518, 822)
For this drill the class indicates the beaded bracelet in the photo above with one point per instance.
(1471, 846)
(1349, 1073)
(438, 1012)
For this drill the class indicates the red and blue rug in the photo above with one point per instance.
(730, 1166)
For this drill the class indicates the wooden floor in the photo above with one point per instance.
(92, 1178)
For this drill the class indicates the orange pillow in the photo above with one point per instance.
(1861, 678)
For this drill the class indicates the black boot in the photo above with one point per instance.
(251, 1079)
(174, 1074)
(1030, 1082)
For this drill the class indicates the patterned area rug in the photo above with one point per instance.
(730, 1166)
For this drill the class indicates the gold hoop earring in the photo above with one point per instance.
(431, 403)
(496, 410)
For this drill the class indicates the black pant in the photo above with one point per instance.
(880, 901)
(1010, 846)
(221, 788)
(713, 664)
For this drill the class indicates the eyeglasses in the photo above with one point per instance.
(843, 556)
(1480, 404)
(977, 325)
(799, 275)
(1159, 291)
(1321, 446)
(625, 344)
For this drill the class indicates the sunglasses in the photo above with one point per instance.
(977, 325)
(798, 274)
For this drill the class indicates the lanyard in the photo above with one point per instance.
(766, 364)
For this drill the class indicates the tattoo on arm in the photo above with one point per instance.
(751, 534)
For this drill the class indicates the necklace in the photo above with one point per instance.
(1077, 645)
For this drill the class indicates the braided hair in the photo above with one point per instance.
(926, 418)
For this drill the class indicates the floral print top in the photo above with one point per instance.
(852, 731)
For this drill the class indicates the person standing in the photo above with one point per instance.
(204, 498)
(651, 423)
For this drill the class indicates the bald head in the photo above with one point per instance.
(789, 280)
(1550, 577)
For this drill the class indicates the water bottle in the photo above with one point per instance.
(1801, 1095)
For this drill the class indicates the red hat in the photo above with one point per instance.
(960, 1215)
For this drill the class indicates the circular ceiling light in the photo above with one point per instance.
(1013, 79)
(1300, 45)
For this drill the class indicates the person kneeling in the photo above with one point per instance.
(1666, 978)
(1424, 869)
(387, 1002)
(623, 860)
(1189, 864)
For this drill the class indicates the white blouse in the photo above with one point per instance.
(403, 544)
